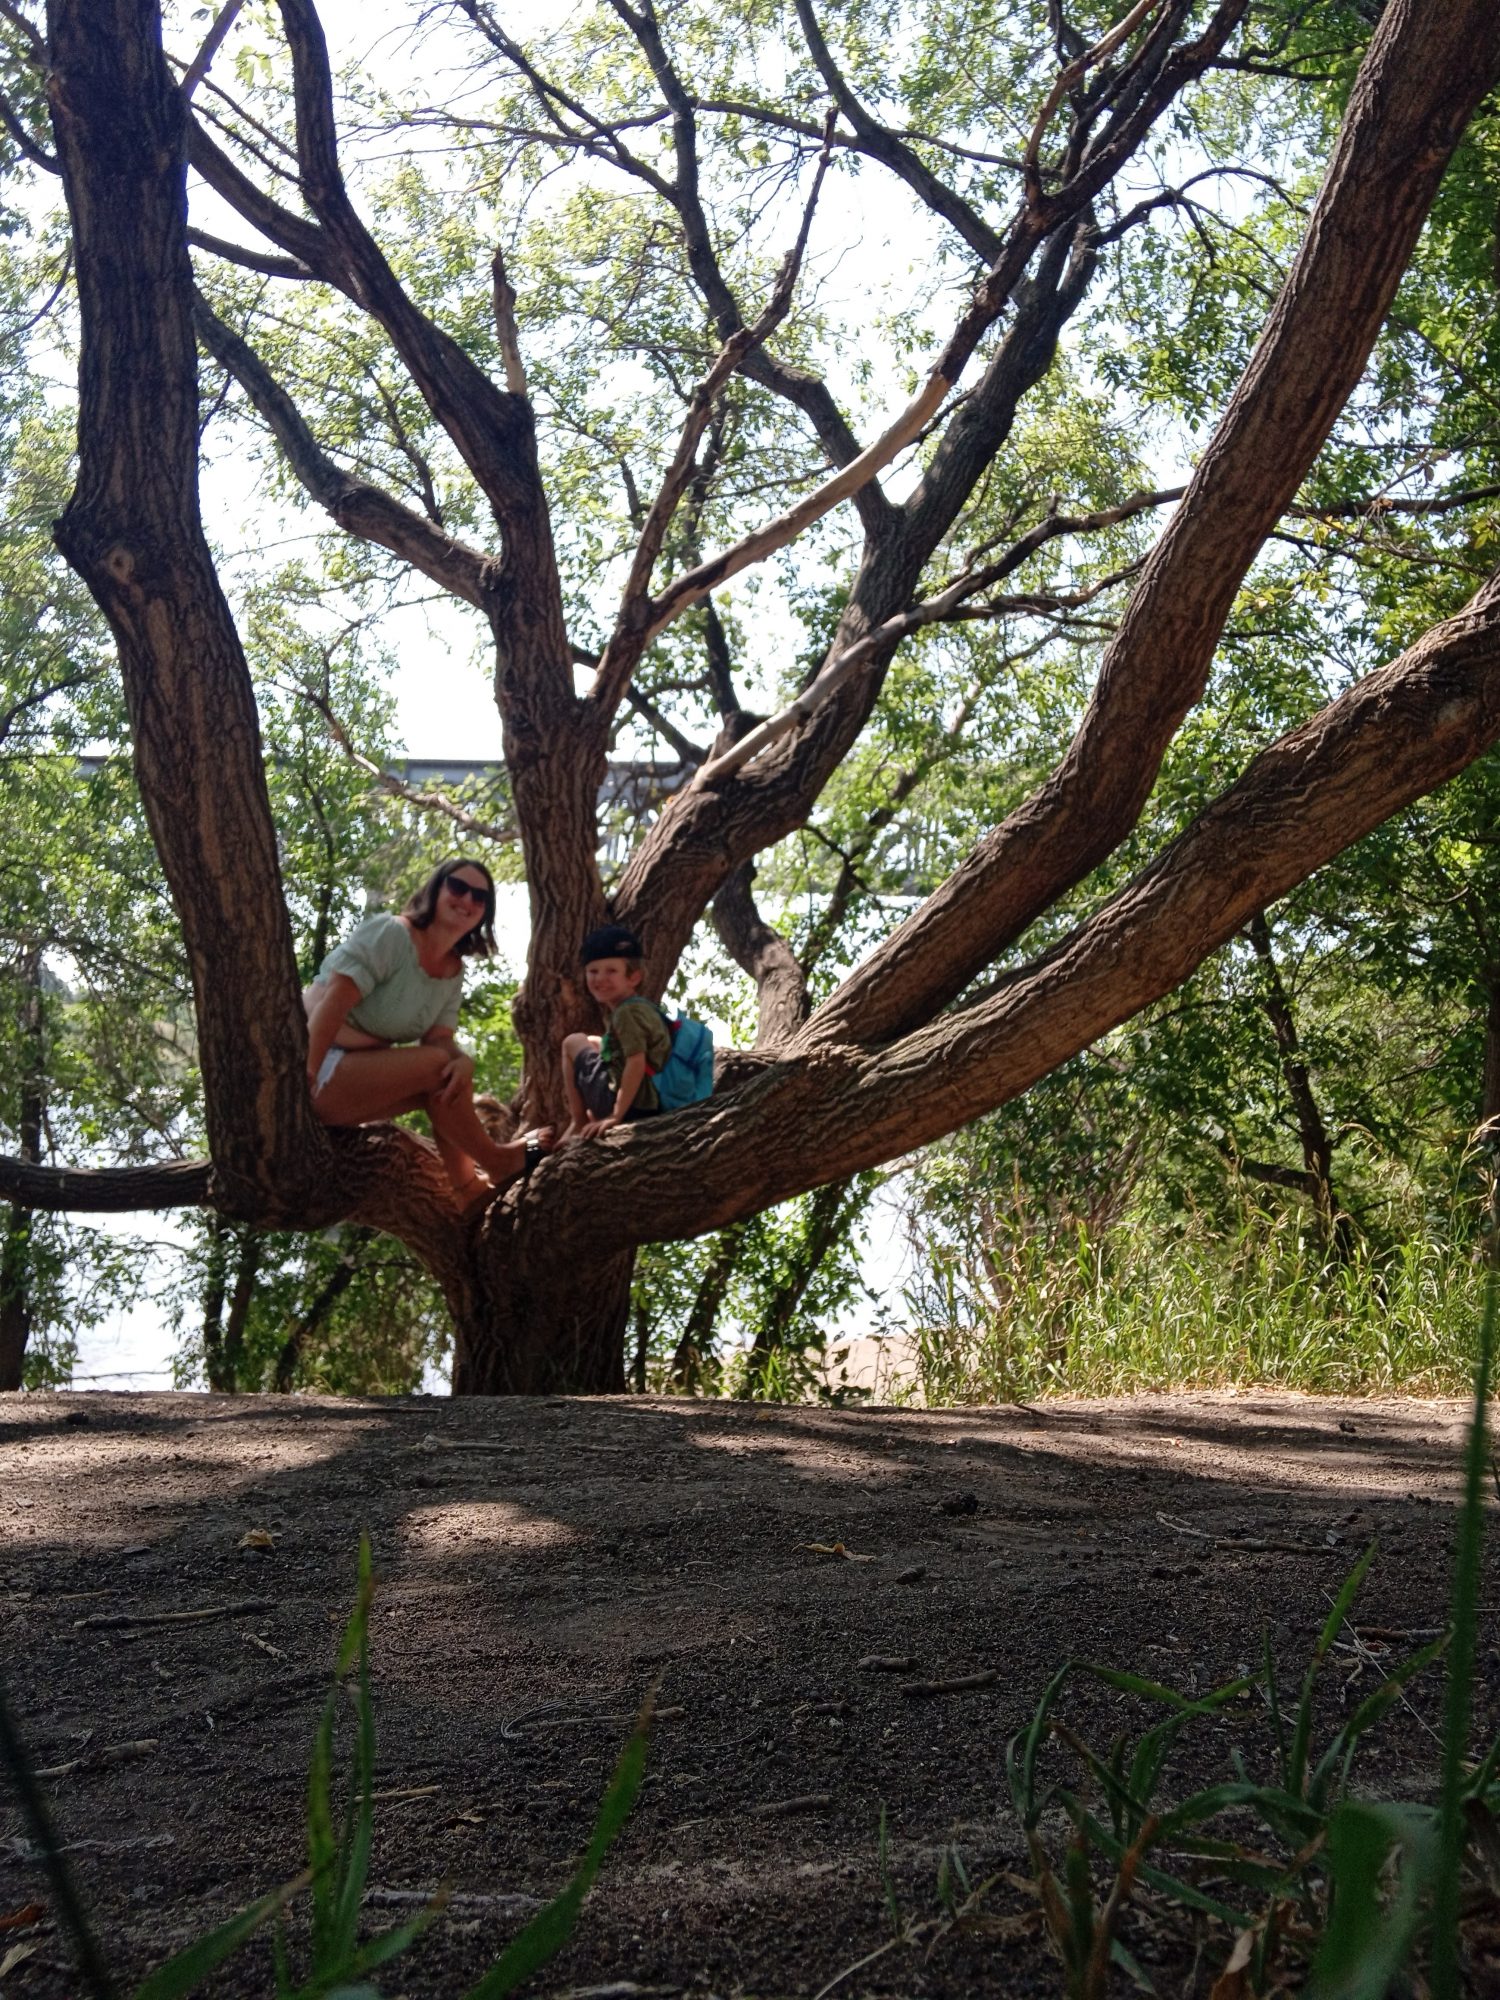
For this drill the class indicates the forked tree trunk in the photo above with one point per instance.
(539, 1289)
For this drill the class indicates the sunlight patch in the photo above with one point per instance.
(490, 1523)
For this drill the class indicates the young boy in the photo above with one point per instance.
(608, 1078)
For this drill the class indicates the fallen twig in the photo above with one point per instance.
(432, 1442)
(113, 1753)
(114, 1621)
(960, 1684)
(887, 1663)
(782, 1808)
(506, 1906)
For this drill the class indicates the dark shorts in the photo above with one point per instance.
(596, 1088)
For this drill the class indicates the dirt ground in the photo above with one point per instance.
(542, 1563)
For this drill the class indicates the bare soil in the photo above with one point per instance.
(541, 1564)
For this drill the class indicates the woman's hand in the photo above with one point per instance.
(458, 1077)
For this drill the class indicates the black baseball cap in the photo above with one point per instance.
(610, 941)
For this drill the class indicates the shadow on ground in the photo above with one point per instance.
(542, 1563)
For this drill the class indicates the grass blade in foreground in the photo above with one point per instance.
(187, 1969)
(96, 1975)
(550, 1929)
(1465, 1624)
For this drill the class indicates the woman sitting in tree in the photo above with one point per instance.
(396, 981)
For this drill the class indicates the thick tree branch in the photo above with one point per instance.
(250, 260)
(1415, 92)
(106, 1190)
(133, 531)
(823, 1112)
(766, 956)
(491, 428)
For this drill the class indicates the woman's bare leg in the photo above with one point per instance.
(371, 1084)
(464, 1143)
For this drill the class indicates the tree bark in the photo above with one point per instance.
(695, 1342)
(296, 1344)
(828, 1218)
(539, 1286)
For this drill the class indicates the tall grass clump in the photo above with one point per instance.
(1012, 1310)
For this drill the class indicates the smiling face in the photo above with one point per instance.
(611, 980)
(464, 898)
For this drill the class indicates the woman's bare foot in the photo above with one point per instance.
(477, 1192)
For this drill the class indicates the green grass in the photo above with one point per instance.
(1293, 1873)
(1034, 1316)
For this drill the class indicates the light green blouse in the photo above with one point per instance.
(398, 1000)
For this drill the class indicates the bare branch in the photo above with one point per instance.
(799, 386)
(1072, 74)
(23, 141)
(213, 41)
(357, 506)
(945, 605)
(506, 329)
(36, 48)
(634, 628)
(689, 751)
(883, 145)
(398, 788)
(251, 260)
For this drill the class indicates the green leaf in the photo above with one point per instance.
(1369, 1938)
(189, 1967)
(550, 1929)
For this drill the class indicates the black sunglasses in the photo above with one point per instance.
(461, 888)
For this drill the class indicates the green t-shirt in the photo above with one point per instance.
(398, 1000)
(636, 1027)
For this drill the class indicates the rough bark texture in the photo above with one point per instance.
(1425, 72)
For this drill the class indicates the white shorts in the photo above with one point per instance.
(327, 1067)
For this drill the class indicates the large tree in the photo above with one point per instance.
(944, 1019)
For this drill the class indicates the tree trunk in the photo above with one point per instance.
(333, 1289)
(15, 1256)
(829, 1215)
(696, 1341)
(1334, 1227)
(550, 1309)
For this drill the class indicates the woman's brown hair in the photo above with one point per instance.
(419, 912)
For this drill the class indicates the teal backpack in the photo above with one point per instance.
(687, 1075)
